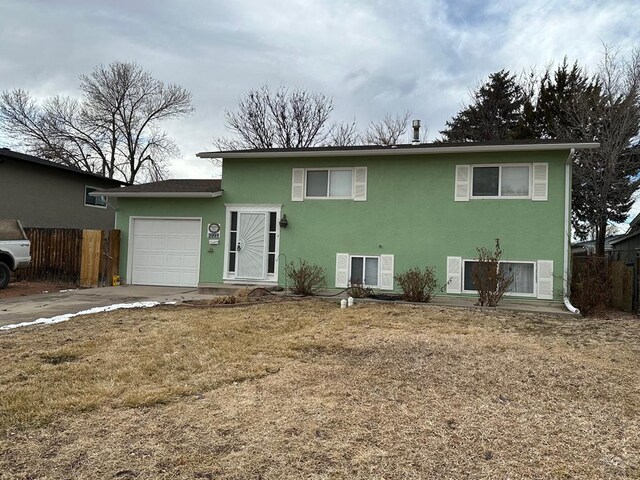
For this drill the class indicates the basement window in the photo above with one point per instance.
(523, 277)
(364, 271)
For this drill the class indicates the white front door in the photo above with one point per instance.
(252, 245)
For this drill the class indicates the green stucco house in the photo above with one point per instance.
(364, 213)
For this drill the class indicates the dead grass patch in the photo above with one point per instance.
(304, 389)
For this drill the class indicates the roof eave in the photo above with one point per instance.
(625, 237)
(155, 194)
(403, 151)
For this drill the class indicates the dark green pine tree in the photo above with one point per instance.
(495, 113)
(558, 96)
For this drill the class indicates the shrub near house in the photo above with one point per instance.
(365, 214)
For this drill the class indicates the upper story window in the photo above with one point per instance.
(501, 181)
(333, 183)
(329, 183)
(91, 201)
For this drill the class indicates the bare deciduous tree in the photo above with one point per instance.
(388, 130)
(114, 129)
(281, 119)
(605, 179)
(344, 134)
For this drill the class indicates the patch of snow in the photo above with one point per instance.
(67, 316)
(68, 290)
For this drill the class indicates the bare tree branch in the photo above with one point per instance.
(112, 130)
(344, 134)
(281, 119)
(388, 130)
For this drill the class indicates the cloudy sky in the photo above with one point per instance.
(372, 57)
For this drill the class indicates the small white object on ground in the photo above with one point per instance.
(350, 301)
(343, 303)
(67, 316)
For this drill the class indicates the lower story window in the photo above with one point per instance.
(523, 274)
(364, 271)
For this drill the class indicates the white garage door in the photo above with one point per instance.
(165, 251)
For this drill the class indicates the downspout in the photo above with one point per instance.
(567, 235)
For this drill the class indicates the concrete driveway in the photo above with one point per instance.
(33, 307)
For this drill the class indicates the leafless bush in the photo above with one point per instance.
(223, 300)
(490, 280)
(306, 278)
(358, 290)
(418, 285)
(591, 282)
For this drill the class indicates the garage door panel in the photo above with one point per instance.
(158, 243)
(191, 261)
(166, 252)
(174, 261)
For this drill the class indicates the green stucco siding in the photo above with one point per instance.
(410, 213)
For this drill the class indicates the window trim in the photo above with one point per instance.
(500, 196)
(93, 206)
(364, 261)
(329, 170)
(534, 294)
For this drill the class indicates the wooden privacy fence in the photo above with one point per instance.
(88, 258)
(601, 280)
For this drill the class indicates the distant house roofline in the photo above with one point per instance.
(627, 236)
(176, 188)
(8, 153)
(405, 149)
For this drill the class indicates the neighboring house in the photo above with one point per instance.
(627, 247)
(41, 193)
(365, 214)
(588, 247)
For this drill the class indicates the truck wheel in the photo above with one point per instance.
(5, 273)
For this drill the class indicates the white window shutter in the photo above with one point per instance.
(540, 182)
(545, 279)
(342, 270)
(386, 272)
(454, 274)
(463, 180)
(360, 184)
(297, 185)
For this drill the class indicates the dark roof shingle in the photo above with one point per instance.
(168, 187)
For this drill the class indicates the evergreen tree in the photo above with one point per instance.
(496, 112)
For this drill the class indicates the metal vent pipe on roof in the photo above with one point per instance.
(416, 132)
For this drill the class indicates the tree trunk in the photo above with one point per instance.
(601, 234)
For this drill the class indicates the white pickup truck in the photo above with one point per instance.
(14, 249)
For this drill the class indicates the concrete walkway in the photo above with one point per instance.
(33, 307)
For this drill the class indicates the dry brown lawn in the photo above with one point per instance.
(306, 390)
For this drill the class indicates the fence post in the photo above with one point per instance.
(91, 256)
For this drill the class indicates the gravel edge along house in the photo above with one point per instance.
(363, 213)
